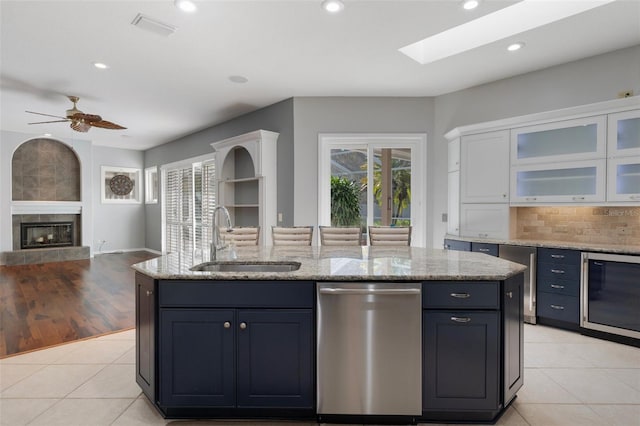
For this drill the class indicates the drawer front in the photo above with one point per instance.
(461, 295)
(486, 248)
(457, 245)
(563, 256)
(558, 307)
(237, 294)
(556, 286)
(558, 272)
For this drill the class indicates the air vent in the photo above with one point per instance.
(152, 25)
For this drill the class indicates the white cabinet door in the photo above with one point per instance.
(484, 220)
(571, 182)
(454, 155)
(484, 168)
(453, 214)
(568, 140)
(623, 137)
(623, 180)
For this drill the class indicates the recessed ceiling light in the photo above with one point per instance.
(185, 5)
(515, 46)
(517, 18)
(100, 65)
(238, 79)
(47, 134)
(332, 6)
(470, 4)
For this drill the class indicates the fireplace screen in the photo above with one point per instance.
(46, 234)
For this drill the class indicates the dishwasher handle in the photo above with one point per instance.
(361, 291)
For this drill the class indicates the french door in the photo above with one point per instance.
(388, 173)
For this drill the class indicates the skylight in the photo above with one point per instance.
(506, 22)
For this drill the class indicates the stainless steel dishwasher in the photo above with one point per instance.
(369, 349)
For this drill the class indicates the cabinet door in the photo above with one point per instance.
(145, 334)
(485, 168)
(275, 358)
(461, 360)
(453, 149)
(513, 325)
(484, 220)
(624, 134)
(623, 180)
(568, 140)
(197, 357)
(573, 182)
(453, 208)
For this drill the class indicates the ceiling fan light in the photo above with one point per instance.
(185, 5)
(332, 6)
(470, 4)
(80, 126)
(515, 46)
(100, 65)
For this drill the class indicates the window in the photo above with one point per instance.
(189, 196)
(151, 185)
(388, 170)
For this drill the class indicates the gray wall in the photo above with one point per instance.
(595, 79)
(349, 115)
(120, 225)
(276, 118)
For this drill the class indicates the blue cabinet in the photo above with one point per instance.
(558, 287)
(486, 248)
(146, 334)
(457, 245)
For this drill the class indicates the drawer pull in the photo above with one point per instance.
(243, 326)
(460, 295)
(149, 292)
(460, 319)
(510, 294)
(557, 256)
(598, 263)
(557, 286)
(531, 198)
(557, 307)
(484, 250)
(227, 324)
(634, 197)
(557, 271)
(578, 198)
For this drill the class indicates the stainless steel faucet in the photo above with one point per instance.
(215, 232)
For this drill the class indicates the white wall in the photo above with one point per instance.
(9, 142)
(313, 116)
(586, 81)
(122, 226)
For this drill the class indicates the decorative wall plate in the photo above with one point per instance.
(121, 185)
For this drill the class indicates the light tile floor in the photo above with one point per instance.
(569, 380)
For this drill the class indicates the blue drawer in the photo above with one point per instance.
(563, 256)
(558, 272)
(457, 245)
(558, 286)
(559, 307)
(461, 295)
(486, 248)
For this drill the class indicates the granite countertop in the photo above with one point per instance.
(599, 248)
(343, 264)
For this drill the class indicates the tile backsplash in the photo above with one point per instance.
(602, 225)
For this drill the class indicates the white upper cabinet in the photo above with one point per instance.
(624, 134)
(453, 216)
(484, 220)
(623, 179)
(454, 155)
(569, 140)
(484, 168)
(570, 182)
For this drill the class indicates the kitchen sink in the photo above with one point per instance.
(246, 266)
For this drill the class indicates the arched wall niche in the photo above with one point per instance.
(45, 169)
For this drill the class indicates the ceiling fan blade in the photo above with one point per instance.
(47, 115)
(54, 121)
(86, 117)
(103, 124)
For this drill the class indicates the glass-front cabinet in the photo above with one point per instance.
(623, 180)
(624, 134)
(568, 140)
(570, 182)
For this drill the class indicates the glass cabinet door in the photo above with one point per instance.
(568, 140)
(624, 134)
(573, 182)
(623, 179)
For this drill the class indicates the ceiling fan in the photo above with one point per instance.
(80, 122)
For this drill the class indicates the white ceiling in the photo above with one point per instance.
(162, 88)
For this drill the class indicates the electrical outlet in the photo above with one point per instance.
(279, 217)
(445, 217)
(625, 94)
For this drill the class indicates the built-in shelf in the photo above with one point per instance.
(249, 179)
(238, 206)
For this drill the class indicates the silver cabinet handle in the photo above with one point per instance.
(557, 271)
(387, 291)
(227, 324)
(460, 295)
(484, 250)
(557, 286)
(509, 294)
(557, 307)
(557, 256)
(531, 198)
(598, 263)
(578, 198)
(460, 319)
(634, 197)
(243, 326)
(149, 292)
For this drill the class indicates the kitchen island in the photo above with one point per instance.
(241, 344)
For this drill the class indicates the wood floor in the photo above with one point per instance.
(47, 304)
